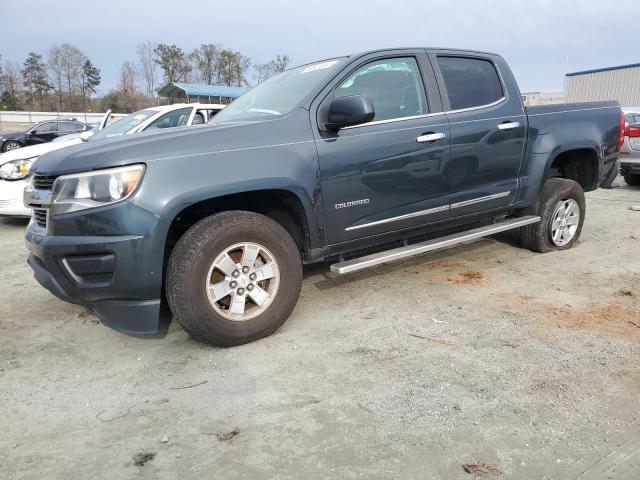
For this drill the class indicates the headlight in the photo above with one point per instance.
(94, 189)
(16, 169)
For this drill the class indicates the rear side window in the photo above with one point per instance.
(69, 127)
(470, 82)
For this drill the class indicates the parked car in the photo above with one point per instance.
(15, 164)
(222, 218)
(42, 132)
(630, 150)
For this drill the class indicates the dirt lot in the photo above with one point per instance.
(488, 354)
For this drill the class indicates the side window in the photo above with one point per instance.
(198, 118)
(393, 84)
(48, 127)
(470, 82)
(68, 127)
(177, 118)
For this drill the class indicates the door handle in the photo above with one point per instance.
(508, 125)
(430, 137)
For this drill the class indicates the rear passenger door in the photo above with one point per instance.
(67, 127)
(488, 129)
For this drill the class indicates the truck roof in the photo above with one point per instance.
(428, 49)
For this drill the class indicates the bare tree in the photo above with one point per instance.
(127, 91)
(265, 70)
(148, 66)
(262, 71)
(54, 62)
(72, 61)
(281, 63)
(11, 83)
(65, 67)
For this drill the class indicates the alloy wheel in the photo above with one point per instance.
(564, 221)
(243, 281)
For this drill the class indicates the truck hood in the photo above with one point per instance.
(176, 142)
(34, 151)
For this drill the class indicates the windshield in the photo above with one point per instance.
(125, 124)
(278, 95)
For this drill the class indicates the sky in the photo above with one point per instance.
(541, 39)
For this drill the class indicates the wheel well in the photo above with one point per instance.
(580, 165)
(281, 206)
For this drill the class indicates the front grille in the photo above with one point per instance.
(43, 182)
(40, 217)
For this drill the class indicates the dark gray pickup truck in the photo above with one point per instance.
(356, 160)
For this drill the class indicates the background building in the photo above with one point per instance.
(621, 83)
(197, 92)
(531, 99)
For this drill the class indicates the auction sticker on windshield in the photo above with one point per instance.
(319, 66)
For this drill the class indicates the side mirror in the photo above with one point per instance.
(348, 111)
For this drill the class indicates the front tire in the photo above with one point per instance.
(633, 180)
(234, 277)
(562, 211)
(11, 145)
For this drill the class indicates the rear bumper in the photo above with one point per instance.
(119, 277)
(630, 166)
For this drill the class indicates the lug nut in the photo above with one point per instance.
(241, 291)
(253, 276)
(245, 269)
(233, 284)
(250, 287)
(236, 273)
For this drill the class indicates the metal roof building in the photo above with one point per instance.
(200, 92)
(532, 99)
(620, 83)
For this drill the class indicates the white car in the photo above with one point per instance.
(15, 164)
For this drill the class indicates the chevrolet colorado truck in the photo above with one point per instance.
(356, 160)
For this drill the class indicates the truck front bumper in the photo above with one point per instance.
(119, 277)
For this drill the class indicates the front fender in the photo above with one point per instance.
(173, 184)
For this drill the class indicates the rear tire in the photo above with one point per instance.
(632, 180)
(216, 283)
(558, 229)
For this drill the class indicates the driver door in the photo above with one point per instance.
(387, 174)
(43, 133)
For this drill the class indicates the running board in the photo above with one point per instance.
(429, 245)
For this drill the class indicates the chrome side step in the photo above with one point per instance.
(429, 245)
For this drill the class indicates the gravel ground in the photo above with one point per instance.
(523, 364)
